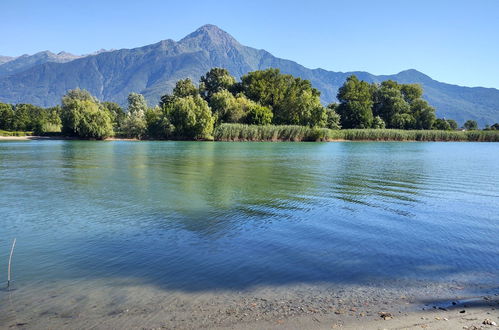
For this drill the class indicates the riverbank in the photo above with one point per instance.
(283, 133)
(99, 305)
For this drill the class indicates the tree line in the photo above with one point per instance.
(261, 97)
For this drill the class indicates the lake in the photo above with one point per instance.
(100, 224)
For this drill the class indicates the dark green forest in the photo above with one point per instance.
(261, 98)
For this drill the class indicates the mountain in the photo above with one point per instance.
(13, 65)
(153, 70)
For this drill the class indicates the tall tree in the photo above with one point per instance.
(356, 103)
(6, 116)
(82, 116)
(191, 118)
(214, 81)
(471, 125)
(134, 124)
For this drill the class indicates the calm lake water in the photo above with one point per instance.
(192, 216)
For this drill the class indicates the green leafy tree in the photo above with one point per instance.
(22, 120)
(390, 104)
(191, 117)
(403, 121)
(471, 125)
(185, 88)
(293, 100)
(441, 124)
(158, 124)
(333, 119)
(453, 124)
(116, 112)
(82, 116)
(227, 108)
(411, 92)
(6, 116)
(423, 113)
(215, 81)
(356, 103)
(135, 124)
(258, 115)
(378, 123)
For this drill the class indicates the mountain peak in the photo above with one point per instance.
(209, 35)
(413, 74)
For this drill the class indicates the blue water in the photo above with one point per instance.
(198, 216)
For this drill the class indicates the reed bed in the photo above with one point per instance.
(241, 132)
(15, 133)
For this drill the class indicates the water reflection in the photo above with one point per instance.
(197, 216)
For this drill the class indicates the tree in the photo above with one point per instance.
(356, 103)
(82, 116)
(116, 112)
(423, 113)
(333, 119)
(453, 124)
(258, 115)
(471, 125)
(411, 92)
(403, 121)
(227, 108)
(135, 125)
(293, 101)
(158, 124)
(390, 104)
(214, 81)
(378, 123)
(22, 120)
(191, 117)
(185, 88)
(6, 116)
(441, 124)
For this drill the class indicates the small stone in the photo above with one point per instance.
(462, 312)
(385, 315)
(489, 322)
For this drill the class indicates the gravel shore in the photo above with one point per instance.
(391, 306)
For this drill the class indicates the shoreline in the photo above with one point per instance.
(420, 305)
(65, 138)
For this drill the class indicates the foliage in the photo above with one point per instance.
(215, 81)
(292, 100)
(240, 132)
(135, 125)
(333, 119)
(116, 113)
(471, 125)
(442, 124)
(378, 123)
(184, 88)
(82, 116)
(191, 118)
(356, 103)
(258, 115)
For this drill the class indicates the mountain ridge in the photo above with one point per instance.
(153, 70)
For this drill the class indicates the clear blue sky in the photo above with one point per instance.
(453, 41)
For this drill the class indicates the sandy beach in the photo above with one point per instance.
(98, 305)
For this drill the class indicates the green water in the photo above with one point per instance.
(194, 216)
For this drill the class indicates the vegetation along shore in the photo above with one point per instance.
(264, 106)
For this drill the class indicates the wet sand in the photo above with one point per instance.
(114, 304)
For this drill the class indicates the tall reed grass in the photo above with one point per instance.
(241, 132)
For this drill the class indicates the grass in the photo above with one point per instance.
(240, 132)
(15, 133)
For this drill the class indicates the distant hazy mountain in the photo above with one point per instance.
(153, 70)
(14, 65)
